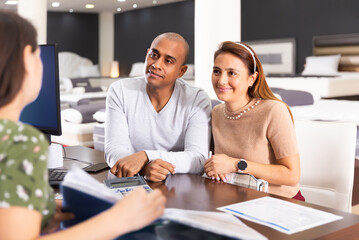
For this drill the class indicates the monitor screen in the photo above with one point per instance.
(44, 112)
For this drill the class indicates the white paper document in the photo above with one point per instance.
(281, 215)
(220, 223)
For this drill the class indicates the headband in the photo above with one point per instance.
(249, 50)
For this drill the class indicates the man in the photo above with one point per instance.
(158, 124)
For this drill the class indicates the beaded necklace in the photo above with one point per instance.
(237, 116)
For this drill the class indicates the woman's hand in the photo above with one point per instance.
(138, 209)
(218, 165)
(58, 217)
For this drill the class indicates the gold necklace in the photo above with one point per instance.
(237, 116)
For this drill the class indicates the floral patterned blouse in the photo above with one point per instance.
(23, 169)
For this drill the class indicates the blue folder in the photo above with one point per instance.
(81, 204)
(85, 206)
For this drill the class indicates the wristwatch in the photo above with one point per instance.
(242, 165)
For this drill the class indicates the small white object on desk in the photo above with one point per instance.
(55, 156)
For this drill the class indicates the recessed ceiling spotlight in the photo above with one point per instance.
(134, 5)
(55, 4)
(90, 6)
(121, 0)
(11, 2)
(118, 9)
(71, 10)
(154, 2)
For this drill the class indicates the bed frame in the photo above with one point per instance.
(345, 44)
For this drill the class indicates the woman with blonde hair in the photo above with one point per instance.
(27, 204)
(253, 130)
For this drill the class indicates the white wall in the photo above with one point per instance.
(36, 12)
(215, 21)
(106, 42)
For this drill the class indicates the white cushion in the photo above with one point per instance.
(89, 71)
(72, 115)
(78, 90)
(66, 85)
(69, 64)
(100, 116)
(321, 65)
(138, 69)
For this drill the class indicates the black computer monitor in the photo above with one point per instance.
(44, 112)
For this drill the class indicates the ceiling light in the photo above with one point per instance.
(55, 4)
(154, 2)
(71, 10)
(134, 5)
(121, 0)
(90, 6)
(118, 9)
(11, 2)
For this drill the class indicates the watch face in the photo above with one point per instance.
(242, 165)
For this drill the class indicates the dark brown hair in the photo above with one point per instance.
(15, 34)
(260, 88)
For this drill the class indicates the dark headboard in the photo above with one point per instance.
(345, 44)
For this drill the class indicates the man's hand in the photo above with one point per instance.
(157, 170)
(130, 165)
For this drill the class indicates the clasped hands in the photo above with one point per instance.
(219, 165)
(155, 171)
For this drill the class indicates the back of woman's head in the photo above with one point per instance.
(244, 52)
(15, 34)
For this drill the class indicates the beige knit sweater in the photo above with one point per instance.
(263, 134)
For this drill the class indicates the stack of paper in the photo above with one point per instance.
(216, 222)
(281, 215)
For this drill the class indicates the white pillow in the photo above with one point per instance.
(66, 85)
(78, 90)
(89, 71)
(100, 116)
(321, 65)
(72, 115)
(137, 69)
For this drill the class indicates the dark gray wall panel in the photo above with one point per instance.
(75, 32)
(300, 19)
(135, 30)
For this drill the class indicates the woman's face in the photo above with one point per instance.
(230, 78)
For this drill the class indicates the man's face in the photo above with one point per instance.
(164, 62)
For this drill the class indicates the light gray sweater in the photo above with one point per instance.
(179, 133)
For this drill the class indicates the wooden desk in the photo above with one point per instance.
(193, 192)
